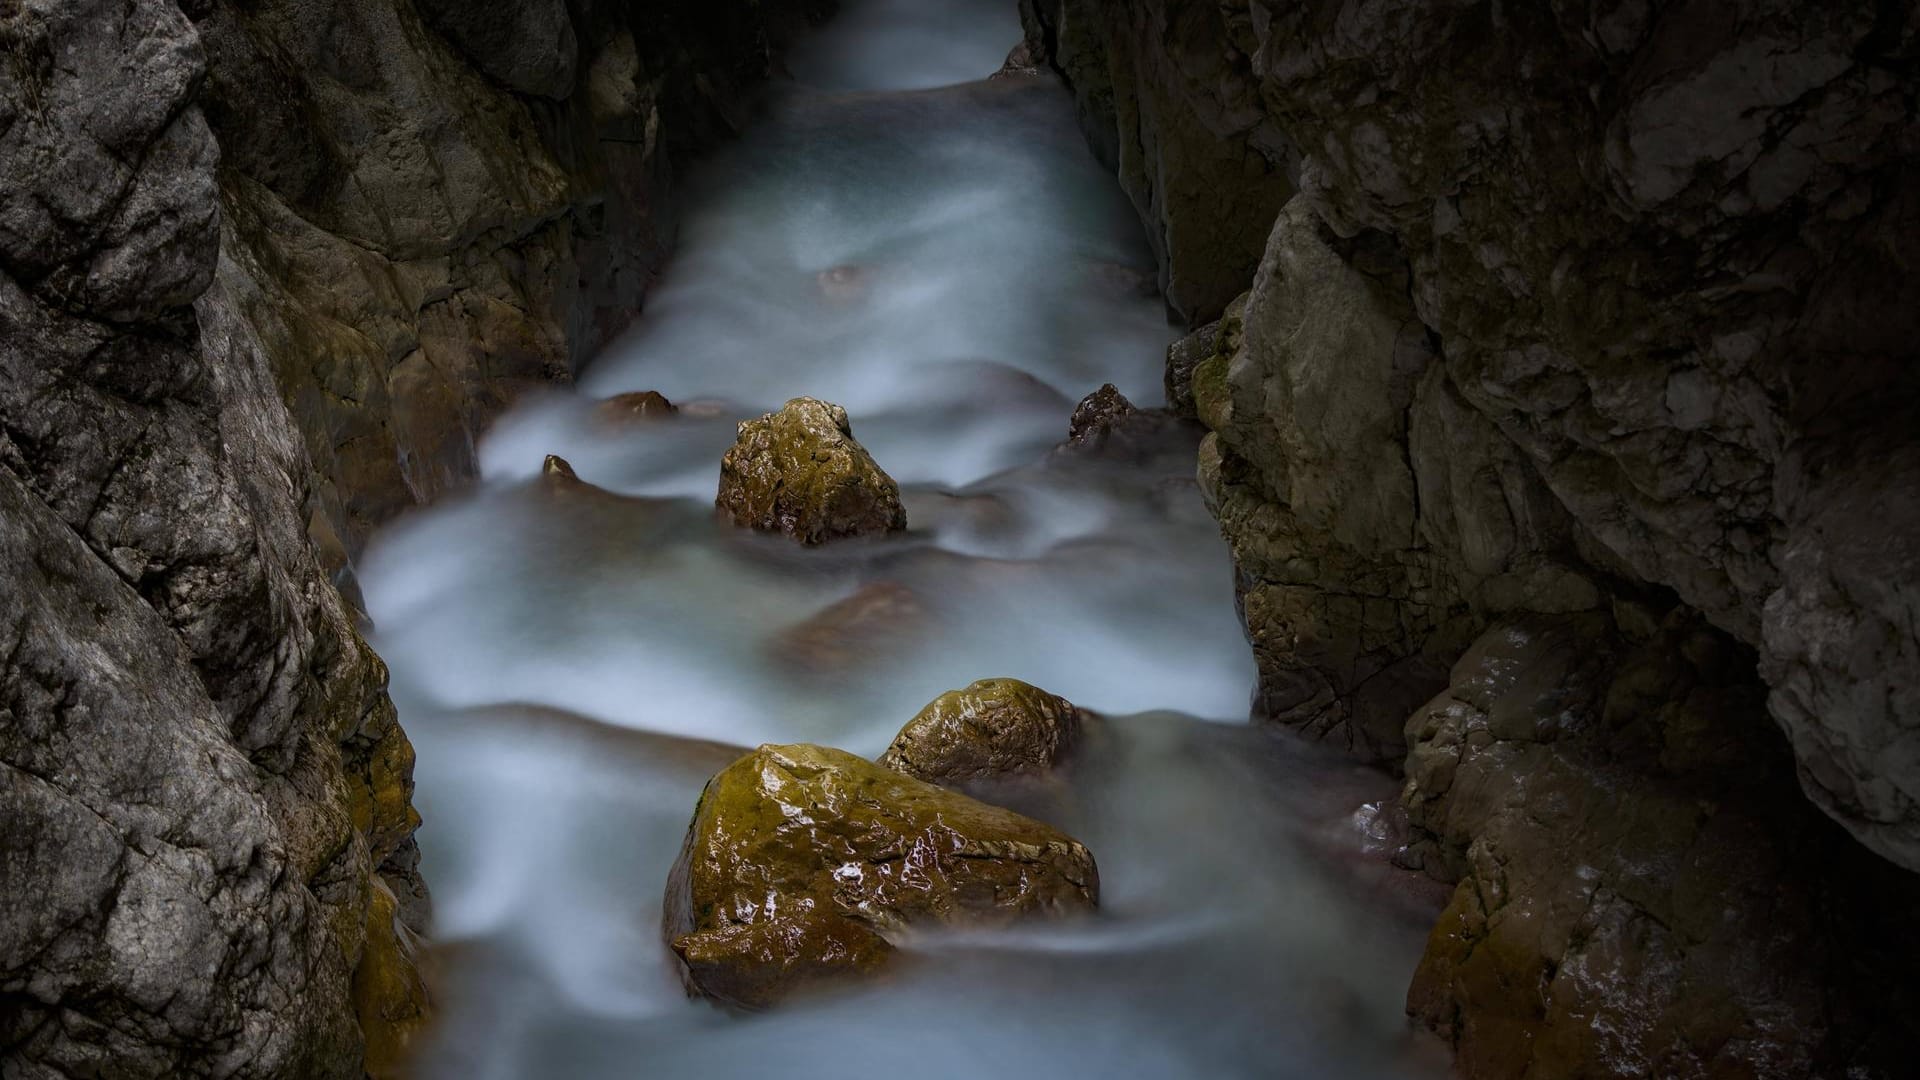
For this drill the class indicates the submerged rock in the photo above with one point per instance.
(842, 284)
(875, 622)
(799, 472)
(801, 860)
(994, 727)
(640, 405)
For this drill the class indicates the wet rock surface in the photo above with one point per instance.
(1502, 363)
(258, 293)
(641, 406)
(854, 635)
(461, 213)
(1617, 304)
(992, 728)
(1640, 892)
(800, 473)
(801, 860)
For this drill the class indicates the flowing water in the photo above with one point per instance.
(943, 258)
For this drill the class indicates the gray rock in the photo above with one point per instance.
(220, 365)
(1624, 299)
(527, 44)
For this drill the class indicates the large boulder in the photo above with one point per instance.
(802, 860)
(800, 473)
(993, 728)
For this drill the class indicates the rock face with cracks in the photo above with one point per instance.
(801, 860)
(258, 291)
(992, 728)
(1577, 311)
(798, 472)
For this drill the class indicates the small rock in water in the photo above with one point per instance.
(875, 622)
(801, 859)
(641, 405)
(557, 476)
(995, 727)
(842, 284)
(1106, 425)
(1119, 279)
(800, 473)
(1094, 418)
(1020, 62)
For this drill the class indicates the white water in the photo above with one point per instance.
(551, 656)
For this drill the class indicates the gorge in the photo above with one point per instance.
(1515, 399)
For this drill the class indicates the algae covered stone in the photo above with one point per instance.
(801, 860)
(799, 472)
(994, 727)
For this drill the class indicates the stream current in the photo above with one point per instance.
(943, 258)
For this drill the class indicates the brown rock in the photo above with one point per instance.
(876, 621)
(389, 995)
(801, 860)
(639, 406)
(994, 727)
(800, 473)
(842, 284)
(1094, 418)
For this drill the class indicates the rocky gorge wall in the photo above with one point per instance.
(266, 270)
(1558, 360)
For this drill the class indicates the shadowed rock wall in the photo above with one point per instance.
(266, 269)
(1594, 311)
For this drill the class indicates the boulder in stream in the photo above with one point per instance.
(993, 728)
(800, 473)
(802, 860)
(638, 406)
(876, 622)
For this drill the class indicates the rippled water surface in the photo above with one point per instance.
(944, 259)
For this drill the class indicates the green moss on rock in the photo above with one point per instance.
(799, 472)
(801, 860)
(994, 727)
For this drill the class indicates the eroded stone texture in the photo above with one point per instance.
(216, 360)
(1579, 308)
(1640, 892)
(461, 206)
(991, 728)
(1166, 100)
(799, 472)
(204, 776)
(801, 860)
(1658, 261)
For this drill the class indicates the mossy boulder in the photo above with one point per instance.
(994, 727)
(800, 473)
(801, 861)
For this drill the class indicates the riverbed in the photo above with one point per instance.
(939, 253)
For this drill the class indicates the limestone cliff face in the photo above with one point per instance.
(1594, 311)
(265, 269)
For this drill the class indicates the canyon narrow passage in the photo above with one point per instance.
(574, 658)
